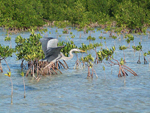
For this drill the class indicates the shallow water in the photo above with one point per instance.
(72, 91)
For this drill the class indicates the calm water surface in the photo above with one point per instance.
(72, 91)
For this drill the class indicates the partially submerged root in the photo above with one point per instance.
(145, 61)
(77, 64)
(122, 69)
(138, 62)
(130, 70)
(90, 75)
(44, 68)
(119, 74)
(96, 60)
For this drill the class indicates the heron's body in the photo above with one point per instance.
(50, 49)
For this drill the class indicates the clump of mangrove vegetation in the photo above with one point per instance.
(138, 48)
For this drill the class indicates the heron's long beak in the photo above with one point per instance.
(82, 51)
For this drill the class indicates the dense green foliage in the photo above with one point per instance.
(5, 52)
(68, 46)
(20, 14)
(27, 13)
(29, 49)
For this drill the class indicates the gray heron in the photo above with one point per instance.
(52, 51)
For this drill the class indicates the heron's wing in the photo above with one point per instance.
(44, 42)
(52, 53)
(52, 43)
(52, 58)
(55, 50)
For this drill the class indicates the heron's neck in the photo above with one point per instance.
(70, 53)
(70, 56)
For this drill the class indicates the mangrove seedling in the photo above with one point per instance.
(9, 75)
(138, 48)
(122, 63)
(129, 38)
(118, 32)
(89, 28)
(77, 63)
(88, 62)
(90, 46)
(84, 48)
(72, 36)
(22, 74)
(123, 48)
(95, 46)
(90, 38)
(105, 41)
(145, 61)
(71, 33)
(65, 31)
(100, 37)
(104, 71)
(114, 37)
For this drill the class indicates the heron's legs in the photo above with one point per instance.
(62, 64)
(66, 64)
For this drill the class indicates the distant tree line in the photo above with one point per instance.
(26, 13)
